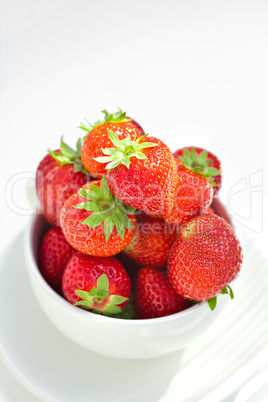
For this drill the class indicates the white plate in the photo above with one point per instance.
(55, 369)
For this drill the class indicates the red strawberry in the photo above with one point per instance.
(95, 222)
(203, 160)
(155, 297)
(205, 258)
(54, 253)
(97, 138)
(58, 176)
(217, 208)
(152, 241)
(210, 211)
(99, 284)
(193, 195)
(141, 174)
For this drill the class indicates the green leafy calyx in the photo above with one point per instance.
(117, 117)
(68, 155)
(123, 150)
(199, 164)
(129, 312)
(105, 208)
(225, 291)
(99, 300)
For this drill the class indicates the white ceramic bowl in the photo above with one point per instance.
(120, 338)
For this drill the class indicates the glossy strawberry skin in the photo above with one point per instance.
(148, 184)
(215, 163)
(86, 239)
(82, 272)
(98, 139)
(205, 258)
(155, 297)
(55, 184)
(54, 253)
(193, 196)
(152, 241)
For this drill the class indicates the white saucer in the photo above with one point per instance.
(55, 369)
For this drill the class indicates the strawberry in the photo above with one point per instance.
(217, 208)
(98, 284)
(95, 222)
(155, 297)
(193, 195)
(210, 210)
(205, 258)
(203, 160)
(152, 241)
(97, 138)
(141, 174)
(54, 253)
(59, 174)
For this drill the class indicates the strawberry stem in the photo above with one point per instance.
(105, 209)
(199, 164)
(117, 117)
(99, 300)
(123, 150)
(227, 290)
(68, 155)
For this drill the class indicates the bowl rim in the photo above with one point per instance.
(33, 267)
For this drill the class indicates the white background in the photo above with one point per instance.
(190, 72)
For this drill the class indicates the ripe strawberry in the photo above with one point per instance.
(95, 222)
(195, 157)
(155, 297)
(58, 176)
(54, 253)
(193, 195)
(210, 210)
(152, 241)
(217, 208)
(99, 284)
(205, 258)
(97, 138)
(141, 174)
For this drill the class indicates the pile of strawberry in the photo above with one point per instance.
(132, 230)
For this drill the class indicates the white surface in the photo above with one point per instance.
(191, 72)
